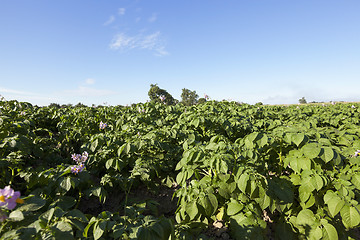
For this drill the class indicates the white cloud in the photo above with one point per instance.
(153, 17)
(90, 92)
(149, 41)
(110, 20)
(12, 91)
(34, 98)
(90, 81)
(121, 11)
(152, 42)
(122, 41)
(161, 52)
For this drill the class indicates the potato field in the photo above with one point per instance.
(216, 170)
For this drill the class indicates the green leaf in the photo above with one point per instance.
(77, 214)
(329, 195)
(311, 150)
(304, 194)
(224, 190)
(328, 154)
(335, 205)
(317, 182)
(64, 226)
(120, 150)
(305, 217)
(92, 221)
(303, 163)
(350, 216)
(64, 202)
(206, 204)
(99, 229)
(234, 207)
(263, 141)
(191, 209)
(242, 182)
(32, 204)
(66, 184)
(127, 148)
(279, 188)
(297, 138)
(307, 184)
(315, 233)
(16, 216)
(109, 163)
(263, 200)
(143, 234)
(356, 180)
(195, 122)
(94, 145)
(181, 177)
(329, 232)
(63, 230)
(214, 202)
(309, 202)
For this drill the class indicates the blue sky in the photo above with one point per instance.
(96, 52)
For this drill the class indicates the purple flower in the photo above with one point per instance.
(77, 168)
(206, 97)
(84, 157)
(141, 110)
(102, 125)
(9, 198)
(75, 157)
(357, 153)
(162, 98)
(80, 160)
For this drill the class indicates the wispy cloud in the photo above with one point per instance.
(110, 20)
(121, 11)
(35, 98)
(153, 17)
(152, 42)
(90, 81)
(82, 91)
(12, 91)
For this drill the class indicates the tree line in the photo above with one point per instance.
(188, 97)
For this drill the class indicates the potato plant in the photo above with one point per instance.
(285, 172)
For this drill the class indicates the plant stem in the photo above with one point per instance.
(126, 196)
(78, 202)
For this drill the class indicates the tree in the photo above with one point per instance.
(157, 94)
(80, 105)
(188, 97)
(302, 100)
(201, 100)
(54, 105)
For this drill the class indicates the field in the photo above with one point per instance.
(217, 170)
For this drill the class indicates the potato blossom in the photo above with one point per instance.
(9, 198)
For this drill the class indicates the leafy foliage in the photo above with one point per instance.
(188, 97)
(302, 100)
(294, 170)
(158, 95)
